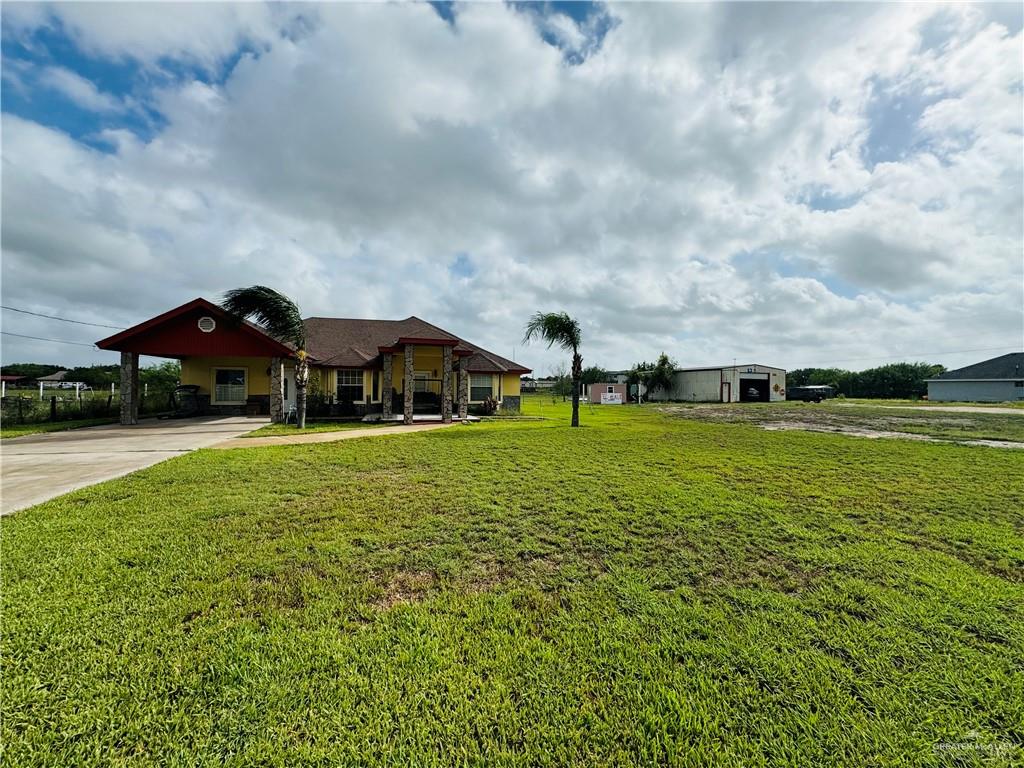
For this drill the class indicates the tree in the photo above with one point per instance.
(558, 328)
(661, 375)
(653, 376)
(280, 317)
(594, 374)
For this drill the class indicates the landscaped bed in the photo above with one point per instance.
(644, 590)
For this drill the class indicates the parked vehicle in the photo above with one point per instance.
(813, 393)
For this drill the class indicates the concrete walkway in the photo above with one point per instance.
(327, 437)
(36, 468)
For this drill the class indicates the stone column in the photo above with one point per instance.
(463, 389)
(129, 388)
(409, 361)
(446, 384)
(386, 387)
(276, 390)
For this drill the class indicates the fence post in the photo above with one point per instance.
(21, 418)
(53, 407)
(110, 399)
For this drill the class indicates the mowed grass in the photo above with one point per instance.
(271, 430)
(19, 430)
(641, 591)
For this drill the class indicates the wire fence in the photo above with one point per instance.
(25, 407)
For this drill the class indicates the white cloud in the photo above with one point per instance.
(82, 92)
(657, 190)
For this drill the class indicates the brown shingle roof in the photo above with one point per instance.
(351, 343)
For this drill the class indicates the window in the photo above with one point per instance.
(229, 385)
(376, 386)
(420, 381)
(611, 389)
(479, 387)
(285, 387)
(350, 386)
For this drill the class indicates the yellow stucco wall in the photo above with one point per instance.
(199, 371)
(510, 384)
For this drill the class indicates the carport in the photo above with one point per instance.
(202, 332)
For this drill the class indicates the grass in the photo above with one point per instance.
(316, 426)
(19, 430)
(642, 591)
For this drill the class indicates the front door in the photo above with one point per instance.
(289, 389)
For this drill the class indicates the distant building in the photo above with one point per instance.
(609, 393)
(990, 381)
(54, 379)
(536, 385)
(748, 383)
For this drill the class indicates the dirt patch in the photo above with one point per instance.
(405, 587)
(869, 422)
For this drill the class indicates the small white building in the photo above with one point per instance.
(749, 383)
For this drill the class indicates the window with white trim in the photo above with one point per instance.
(350, 386)
(479, 387)
(229, 385)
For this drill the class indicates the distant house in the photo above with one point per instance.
(990, 381)
(609, 393)
(53, 380)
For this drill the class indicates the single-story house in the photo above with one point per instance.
(357, 367)
(747, 383)
(609, 393)
(990, 381)
(55, 379)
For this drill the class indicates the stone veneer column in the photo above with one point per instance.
(463, 389)
(409, 352)
(129, 388)
(386, 387)
(446, 384)
(276, 390)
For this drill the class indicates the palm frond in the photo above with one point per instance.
(274, 311)
(554, 328)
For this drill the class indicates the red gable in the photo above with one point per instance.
(193, 329)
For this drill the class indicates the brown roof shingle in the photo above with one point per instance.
(353, 343)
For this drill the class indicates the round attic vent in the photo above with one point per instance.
(207, 324)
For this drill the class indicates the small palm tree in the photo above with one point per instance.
(281, 318)
(558, 328)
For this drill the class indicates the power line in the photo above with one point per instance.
(62, 319)
(40, 338)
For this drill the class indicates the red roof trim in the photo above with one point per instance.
(113, 342)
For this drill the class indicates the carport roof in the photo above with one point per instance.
(177, 333)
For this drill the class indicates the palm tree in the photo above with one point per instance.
(281, 318)
(558, 328)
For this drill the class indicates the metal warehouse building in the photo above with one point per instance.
(990, 381)
(726, 384)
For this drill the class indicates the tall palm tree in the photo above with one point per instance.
(558, 328)
(281, 318)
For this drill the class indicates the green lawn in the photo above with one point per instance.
(646, 590)
(18, 430)
(316, 426)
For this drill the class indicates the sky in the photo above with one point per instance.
(788, 184)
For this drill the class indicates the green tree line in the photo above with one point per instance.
(896, 380)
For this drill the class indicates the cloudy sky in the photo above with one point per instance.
(833, 184)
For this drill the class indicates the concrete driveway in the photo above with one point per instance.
(35, 468)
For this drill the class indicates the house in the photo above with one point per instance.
(726, 384)
(357, 367)
(54, 380)
(609, 393)
(990, 381)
